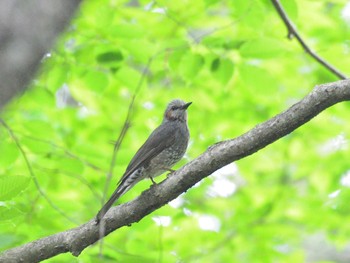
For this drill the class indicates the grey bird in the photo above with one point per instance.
(165, 146)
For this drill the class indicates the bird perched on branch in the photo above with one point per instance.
(165, 146)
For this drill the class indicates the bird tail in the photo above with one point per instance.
(126, 182)
(117, 193)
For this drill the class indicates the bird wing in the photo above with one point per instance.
(160, 139)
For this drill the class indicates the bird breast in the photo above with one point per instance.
(171, 155)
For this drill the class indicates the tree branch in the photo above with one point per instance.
(292, 31)
(27, 31)
(77, 239)
(124, 129)
(32, 174)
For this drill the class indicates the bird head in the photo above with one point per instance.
(176, 111)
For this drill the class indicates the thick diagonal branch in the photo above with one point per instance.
(77, 239)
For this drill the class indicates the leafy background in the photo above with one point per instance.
(287, 203)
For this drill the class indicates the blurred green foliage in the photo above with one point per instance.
(234, 61)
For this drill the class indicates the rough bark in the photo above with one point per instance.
(77, 239)
(27, 32)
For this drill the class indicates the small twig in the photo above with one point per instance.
(196, 39)
(69, 174)
(117, 144)
(292, 31)
(32, 174)
(66, 152)
(125, 127)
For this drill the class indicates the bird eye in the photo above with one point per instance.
(173, 108)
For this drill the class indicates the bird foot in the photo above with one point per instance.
(170, 171)
(153, 182)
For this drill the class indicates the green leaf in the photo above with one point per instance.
(9, 153)
(128, 76)
(127, 31)
(140, 49)
(174, 59)
(56, 77)
(10, 186)
(71, 165)
(215, 64)
(211, 2)
(291, 8)
(39, 127)
(191, 64)
(109, 57)
(257, 78)
(262, 48)
(251, 13)
(95, 80)
(222, 69)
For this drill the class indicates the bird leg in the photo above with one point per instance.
(150, 177)
(169, 170)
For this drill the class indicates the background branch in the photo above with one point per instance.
(77, 239)
(119, 141)
(27, 31)
(126, 126)
(32, 174)
(292, 31)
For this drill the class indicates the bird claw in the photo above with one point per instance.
(153, 182)
(171, 171)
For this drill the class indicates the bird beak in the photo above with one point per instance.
(184, 107)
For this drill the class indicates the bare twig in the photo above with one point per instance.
(78, 177)
(66, 151)
(117, 144)
(292, 31)
(32, 174)
(124, 129)
(195, 39)
(25, 40)
(77, 239)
